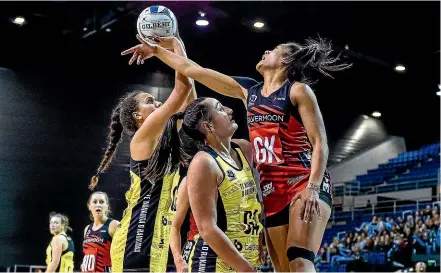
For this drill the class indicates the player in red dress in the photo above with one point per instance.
(288, 137)
(98, 235)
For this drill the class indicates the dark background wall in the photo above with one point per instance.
(53, 130)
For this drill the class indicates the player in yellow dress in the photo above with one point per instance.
(60, 252)
(141, 242)
(222, 192)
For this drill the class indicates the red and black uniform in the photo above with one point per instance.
(282, 151)
(192, 231)
(96, 249)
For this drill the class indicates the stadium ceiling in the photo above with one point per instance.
(374, 36)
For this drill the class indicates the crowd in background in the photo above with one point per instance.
(417, 233)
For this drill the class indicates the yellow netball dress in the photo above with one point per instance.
(238, 215)
(141, 242)
(66, 260)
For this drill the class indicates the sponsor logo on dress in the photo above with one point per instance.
(231, 175)
(268, 189)
(295, 179)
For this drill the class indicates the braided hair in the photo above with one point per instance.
(121, 121)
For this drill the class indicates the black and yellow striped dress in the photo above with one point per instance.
(67, 256)
(142, 241)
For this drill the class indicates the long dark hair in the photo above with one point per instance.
(166, 156)
(121, 121)
(302, 61)
(179, 148)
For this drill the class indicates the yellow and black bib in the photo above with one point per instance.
(141, 242)
(67, 256)
(238, 215)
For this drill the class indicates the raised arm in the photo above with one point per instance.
(144, 141)
(214, 80)
(170, 43)
(203, 178)
(182, 206)
(192, 95)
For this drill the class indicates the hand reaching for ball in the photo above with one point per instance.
(141, 52)
(166, 42)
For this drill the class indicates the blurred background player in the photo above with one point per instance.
(98, 235)
(60, 252)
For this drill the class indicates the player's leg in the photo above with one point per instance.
(304, 239)
(277, 232)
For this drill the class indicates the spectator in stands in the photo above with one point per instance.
(435, 219)
(417, 214)
(267, 265)
(348, 242)
(368, 208)
(420, 267)
(419, 233)
(428, 222)
(321, 256)
(435, 209)
(427, 211)
(409, 220)
(421, 243)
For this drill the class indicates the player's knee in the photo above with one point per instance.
(299, 265)
(300, 256)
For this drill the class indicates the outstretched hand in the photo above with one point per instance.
(140, 52)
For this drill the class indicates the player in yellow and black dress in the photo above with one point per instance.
(141, 242)
(222, 192)
(60, 251)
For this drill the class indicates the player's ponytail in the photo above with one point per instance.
(166, 156)
(302, 61)
(113, 140)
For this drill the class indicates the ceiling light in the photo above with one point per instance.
(400, 68)
(85, 29)
(376, 114)
(108, 30)
(202, 22)
(259, 24)
(202, 14)
(346, 47)
(19, 20)
(438, 93)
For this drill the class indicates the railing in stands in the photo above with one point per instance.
(32, 268)
(383, 207)
(348, 189)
